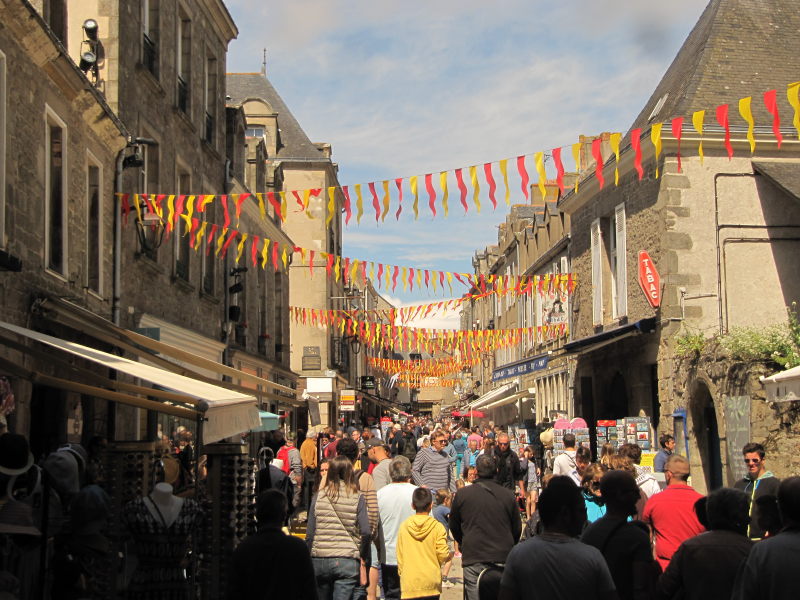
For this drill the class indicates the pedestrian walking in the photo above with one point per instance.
(758, 483)
(441, 512)
(421, 551)
(431, 467)
(460, 445)
(485, 522)
(378, 454)
(591, 490)
(395, 506)
(667, 443)
(564, 463)
(644, 479)
(338, 533)
(509, 471)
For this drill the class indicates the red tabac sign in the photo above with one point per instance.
(649, 280)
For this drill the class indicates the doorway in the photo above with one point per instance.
(706, 433)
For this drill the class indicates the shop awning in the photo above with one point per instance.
(76, 317)
(226, 412)
(269, 421)
(593, 342)
(507, 400)
(783, 386)
(493, 395)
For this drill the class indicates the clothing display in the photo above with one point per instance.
(161, 550)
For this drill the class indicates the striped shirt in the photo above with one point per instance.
(433, 470)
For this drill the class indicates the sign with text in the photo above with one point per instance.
(347, 400)
(520, 368)
(649, 280)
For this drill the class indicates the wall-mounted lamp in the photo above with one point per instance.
(236, 288)
(355, 343)
(150, 231)
(91, 29)
(238, 270)
(88, 61)
(89, 57)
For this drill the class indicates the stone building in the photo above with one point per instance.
(721, 231)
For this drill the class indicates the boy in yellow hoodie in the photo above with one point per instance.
(421, 550)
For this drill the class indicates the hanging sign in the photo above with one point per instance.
(347, 400)
(649, 280)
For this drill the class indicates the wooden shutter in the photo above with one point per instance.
(597, 273)
(622, 261)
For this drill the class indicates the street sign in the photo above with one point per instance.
(649, 280)
(347, 400)
(367, 382)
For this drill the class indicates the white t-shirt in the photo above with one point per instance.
(564, 463)
(556, 568)
(394, 506)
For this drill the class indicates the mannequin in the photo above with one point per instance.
(163, 504)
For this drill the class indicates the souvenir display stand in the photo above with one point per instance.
(230, 513)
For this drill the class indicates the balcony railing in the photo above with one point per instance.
(183, 95)
(209, 129)
(150, 55)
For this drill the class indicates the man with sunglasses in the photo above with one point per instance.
(509, 471)
(432, 468)
(758, 482)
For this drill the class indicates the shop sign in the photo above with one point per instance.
(520, 368)
(347, 400)
(368, 382)
(649, 280)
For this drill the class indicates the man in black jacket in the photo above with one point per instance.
(509, 471)
(758, 482)
(485, 521)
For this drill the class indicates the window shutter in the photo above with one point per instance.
(597, 273)
(622, 261)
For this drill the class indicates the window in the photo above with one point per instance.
(55, 15)
(150, 35)
(94, 230)
(3, 103)
(597, 273)
(55, 194)
(210, 99)
(257, 132)
(181, 232)
(278, 312)
(207, 260)
(149, 184)
(619, 271)
(183, 54)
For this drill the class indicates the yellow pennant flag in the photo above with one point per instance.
(443, 183)
(576, 154)
(261, 206)
(793, 95)
(404, 272)
(615, 139)
(354, 270)
(331, 204)
(697, 123)
(538, 158)
(187, 216)
(372, 271)
(412, 181)
(386, 200)
(476, 195)
(359, 203)
(434, 276)
(240, 248)
(220, 241)
(307, 203)
(450, 281)
(419, 278)
(264, 253)
(206, 201)
(283, 205)
(198, 239)
(747, 114)
(337, 268)
(170, 211)
(284, 258)
(655, 138)
(137, 205)
(504, 171)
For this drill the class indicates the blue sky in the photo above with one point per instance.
(414, 87)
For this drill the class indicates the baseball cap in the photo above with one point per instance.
(374, 443)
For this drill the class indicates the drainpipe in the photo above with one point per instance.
(117, 276)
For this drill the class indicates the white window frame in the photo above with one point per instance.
(621, 268)
(612, 264)
(93, 161)
(596, 237)
(52, 118)
(3, 117)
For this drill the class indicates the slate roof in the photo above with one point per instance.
(782, 174)
(293, 141)
(737, 48)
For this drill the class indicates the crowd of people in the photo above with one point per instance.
(388, 506)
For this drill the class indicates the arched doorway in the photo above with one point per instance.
(706, 433)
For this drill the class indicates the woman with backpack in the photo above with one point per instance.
(338, 532)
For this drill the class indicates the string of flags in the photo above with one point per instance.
(477, 182)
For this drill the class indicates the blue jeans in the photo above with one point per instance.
(336, 577)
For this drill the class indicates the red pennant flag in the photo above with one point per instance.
(179, 203)
(461, 281)
(311, 254)
(380, 274)
(150, 208)
(411, 278)
(431, 193)
(239, 201)
(771, 102)
(299, 201)
(487, 170)
(348, 209)
(275, 204)
(376, 204)
(441, 279)
(462, 188)
(677, 132)
(399, 182)
(394, 277)
(254, 241)
(427, 278)
(275, 255)
(193, 232)
(722, 119)
(198, 204)
(346, 270)
(234, 233)
(227, 221)
(126, 208)
(329, 265)
(636, 144)
(523, 173)
(211, 238)
(559, 169)
(597, 154)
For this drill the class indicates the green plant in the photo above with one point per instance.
(778, 343)
(690, 344)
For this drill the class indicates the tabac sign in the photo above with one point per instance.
(649, 280)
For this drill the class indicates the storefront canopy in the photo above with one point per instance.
(225, 412)
(784, 386)
(507, 400)
(269, 421)
(493, 395)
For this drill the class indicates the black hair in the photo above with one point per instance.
(271, 507)
(632, 451)
(751, 447)
(569, 440)
(560, 492)
(486, 465)
(664, 439)
(347, 447)
(422, 499)
(583, 454)
(728, 509)
(789, 499)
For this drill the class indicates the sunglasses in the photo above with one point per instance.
(595, 485)
(502, 443)
(755, 461)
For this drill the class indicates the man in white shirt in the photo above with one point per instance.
(394, 506)
(564, 463)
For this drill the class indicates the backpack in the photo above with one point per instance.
(409, 448)
(283, 454)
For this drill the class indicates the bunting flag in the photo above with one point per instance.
(171, 208)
